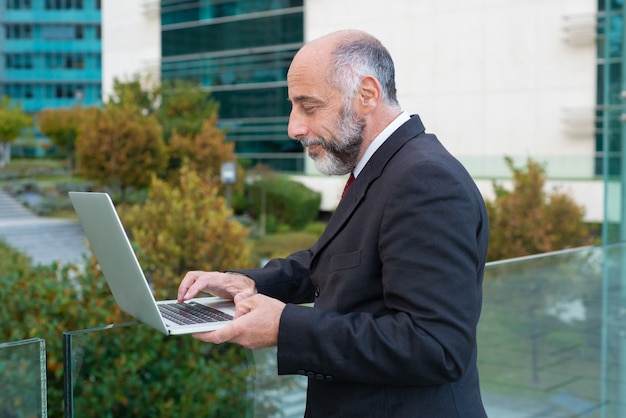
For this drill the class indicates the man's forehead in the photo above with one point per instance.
(303, 83)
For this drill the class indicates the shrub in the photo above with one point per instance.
(527, 220)
(290, 202)
(185, 227)
(139, 373)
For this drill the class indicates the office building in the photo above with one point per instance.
(491, 79)
(50, 52)
(240, 50)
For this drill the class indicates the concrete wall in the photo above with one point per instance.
(131, 42)
(492, 78)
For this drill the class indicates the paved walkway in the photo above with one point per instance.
(45, 240)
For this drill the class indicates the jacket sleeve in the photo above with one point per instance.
(286, 279)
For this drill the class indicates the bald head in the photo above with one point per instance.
(342, 58)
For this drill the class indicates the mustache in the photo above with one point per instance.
(310, 142)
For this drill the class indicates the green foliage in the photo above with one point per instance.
(528, 220)
(184, 107)
(185, 227)
(62, 126)
(121, 149)
(132, 96)
(128, 372)
(290, 202)
(204, 152)
(13, 120)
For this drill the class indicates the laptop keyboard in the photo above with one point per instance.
(192, 313)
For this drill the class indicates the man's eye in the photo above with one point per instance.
(309, 109)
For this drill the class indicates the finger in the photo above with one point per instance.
(185, 284)
(242, 306)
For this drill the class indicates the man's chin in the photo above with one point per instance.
(329, 171)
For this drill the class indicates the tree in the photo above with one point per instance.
(120, 148)
(184, 108)
(132, 96)
(185, 227)
(62, 127)
(528, 220)
(205, 151)
(13, 121)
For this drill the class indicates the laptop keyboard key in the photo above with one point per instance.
(192, 313)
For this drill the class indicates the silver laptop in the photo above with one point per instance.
(111, 246)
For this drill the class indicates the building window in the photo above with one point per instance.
(65, 91)
(65, 61)
(19, 61)
(609, 125)
(28, 91)
(57, 32)
(19, 31)
(19, 4)
(64, 4)
(20, 91)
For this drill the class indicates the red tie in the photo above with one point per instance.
(348, 184)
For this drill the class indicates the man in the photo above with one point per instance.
(396, 276)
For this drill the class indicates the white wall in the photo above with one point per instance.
(131, 42)
(491, 78)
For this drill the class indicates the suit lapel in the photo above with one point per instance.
(372, 170)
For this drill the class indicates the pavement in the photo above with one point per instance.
(44, 240)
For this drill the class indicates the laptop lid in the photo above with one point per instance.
(120, 266)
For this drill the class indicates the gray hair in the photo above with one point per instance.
(358, 57)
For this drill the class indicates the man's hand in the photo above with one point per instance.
(224, 285)
(255, 325)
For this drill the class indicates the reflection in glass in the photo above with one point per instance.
(23, 379)
(131, 370)
(551, 344)
(549, 340)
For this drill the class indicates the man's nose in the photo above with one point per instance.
(296, 128)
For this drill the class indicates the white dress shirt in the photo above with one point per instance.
(379, 140)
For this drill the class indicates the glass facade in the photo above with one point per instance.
(50, 53)
(611, 116)
(240, 51)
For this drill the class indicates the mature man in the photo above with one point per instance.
(396, 277)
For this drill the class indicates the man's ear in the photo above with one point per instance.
(368, 96)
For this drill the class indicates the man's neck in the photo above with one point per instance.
(382, 135)
(377, 122)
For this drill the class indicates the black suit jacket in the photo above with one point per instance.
(396, 278)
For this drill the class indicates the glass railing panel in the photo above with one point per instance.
(131, 370)
(549, 340)
(552, 343)
(23, 379)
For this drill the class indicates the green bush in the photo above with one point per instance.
(290, 202)
(127, 372)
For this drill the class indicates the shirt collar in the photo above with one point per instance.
(379, 140)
